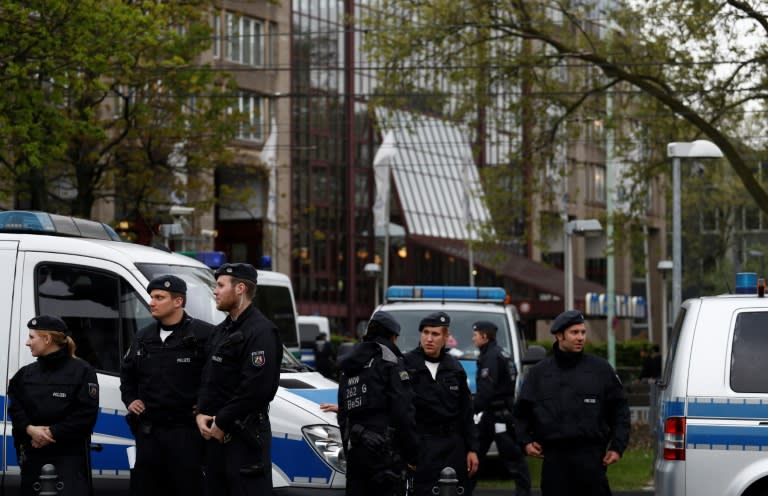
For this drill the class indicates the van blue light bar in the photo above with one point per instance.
(213, 259)
(746, 283)
(455, 293)
(22, 221)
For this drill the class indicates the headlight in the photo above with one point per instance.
(326, 441)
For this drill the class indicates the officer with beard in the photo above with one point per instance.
(376, 414)
(572, 413)
(240, 379)
(443, 409)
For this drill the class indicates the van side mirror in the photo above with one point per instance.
(534, 355)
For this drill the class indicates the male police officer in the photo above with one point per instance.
(572, 412)
(494, 401)
(239, 381)
(159, 379)
(443, 408)
(376, 413)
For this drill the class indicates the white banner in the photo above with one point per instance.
(381, 163)
(269, 157)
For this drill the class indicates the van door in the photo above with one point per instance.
(103, 305)
(8, 250)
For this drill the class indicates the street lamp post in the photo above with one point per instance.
(676, 151)
(663, 267)
(574, 227)
(374, 270)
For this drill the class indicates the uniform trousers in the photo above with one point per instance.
(372, 473)
(440, 450)
(574, 468)
(235, 468)
(510, 452)
(169, 461)
(71, 470)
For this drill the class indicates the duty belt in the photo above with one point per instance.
(438, 429)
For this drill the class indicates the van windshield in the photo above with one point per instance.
(200, 283)
(461, 329)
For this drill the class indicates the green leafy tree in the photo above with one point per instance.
(680, 65)
(108, 99)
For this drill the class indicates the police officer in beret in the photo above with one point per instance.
(572, 413)
(240, 379)
(443, 405)
(376, 414)
(494, 402)
(54, 403)
(159, 380)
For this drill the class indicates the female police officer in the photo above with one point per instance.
(54, 403)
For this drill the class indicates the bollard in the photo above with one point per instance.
(49, 484)
(447, 484)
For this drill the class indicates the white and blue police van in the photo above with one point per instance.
(712, 417)
(465, 305)
(310, 326)
(80, 271)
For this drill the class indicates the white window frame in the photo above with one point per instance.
(252, 106)
(244, 43)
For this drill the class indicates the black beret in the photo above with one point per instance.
(386, 322)
(566, 320)
(243, 271)
(436, 319)
(48, 323)
(168, 283)
(484, 326)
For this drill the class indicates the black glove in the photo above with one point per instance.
(372, 441)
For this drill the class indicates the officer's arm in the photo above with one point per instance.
(341, 414)
(617, 413)
(85, 409)
(16, 406)
(523, 410)
(129, 387)
(468, 427)
(402, 411)
(258, 378)
(487, 377)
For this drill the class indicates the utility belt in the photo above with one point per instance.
(438, 429)
(144, 423)
(502, 409)
(250, 431)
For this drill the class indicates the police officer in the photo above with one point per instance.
(239, 381)
(376, 413)
(323, 351)
(54, 403)
(443, 405)
(159, 380)
(572, 413)
(494, 402)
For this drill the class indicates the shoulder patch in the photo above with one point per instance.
(93, 390)
(258, 359)
(484, 373)
(404, 375)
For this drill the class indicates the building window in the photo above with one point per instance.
(216, 36)
(595, 183)
(251, 106)
(244, 40)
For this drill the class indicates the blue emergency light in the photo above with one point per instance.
(746, 283)
(213, 259)
(23, 221)
(455, 293)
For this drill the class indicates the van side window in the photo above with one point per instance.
(749, 368)
(101, 309)
(276, 304)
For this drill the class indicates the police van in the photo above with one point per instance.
(310, 326)
(712, 421)
(80, 270)
(465, 305)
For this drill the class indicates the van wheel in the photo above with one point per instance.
(759, 488)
